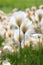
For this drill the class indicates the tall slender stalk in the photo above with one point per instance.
(20, 46)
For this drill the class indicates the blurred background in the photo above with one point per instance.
(8, 5)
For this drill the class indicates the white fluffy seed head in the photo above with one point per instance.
(41, 6)
(5, 62)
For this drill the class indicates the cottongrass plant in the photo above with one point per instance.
(21, 37)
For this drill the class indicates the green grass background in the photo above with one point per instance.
(8, 5)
